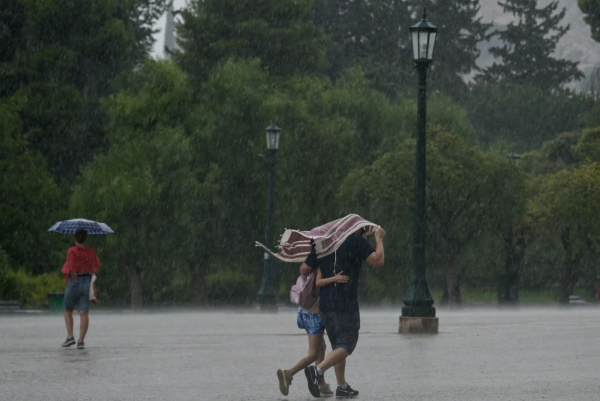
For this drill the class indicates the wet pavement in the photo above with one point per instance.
(482, 354)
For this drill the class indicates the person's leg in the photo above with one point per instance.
(83, 324)
(340, 372)
(331, 322)
(69, 322)
(314, 346)
(311, 322)
(324, 388)
(313, 375)
(68, 306)
(347, 339)
(320, 357)
(322, 350)
(83, 306)
(333, 358)
(347, 326)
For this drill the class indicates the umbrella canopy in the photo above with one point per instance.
(91, 227)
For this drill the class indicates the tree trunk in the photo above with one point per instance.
(569, 277)
(135, 283)
(198, 276)
(451, 293)
(518, 257)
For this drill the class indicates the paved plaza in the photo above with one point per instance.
(481, 354)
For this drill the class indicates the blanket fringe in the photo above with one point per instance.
(280, 257)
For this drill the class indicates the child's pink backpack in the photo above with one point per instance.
(304, 292)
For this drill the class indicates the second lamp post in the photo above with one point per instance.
(266, 294)
(506, 295)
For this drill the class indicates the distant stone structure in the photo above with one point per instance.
(169, 33)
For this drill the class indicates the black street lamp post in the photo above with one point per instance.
(418, 302)
(266, 294)
(506, 295)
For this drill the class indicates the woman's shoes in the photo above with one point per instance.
(285, 379)
(325, 390)
(68, 342)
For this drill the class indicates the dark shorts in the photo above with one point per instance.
(77, 295)
(342, 329)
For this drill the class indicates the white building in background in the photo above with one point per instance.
(169, 45)
(165, 35)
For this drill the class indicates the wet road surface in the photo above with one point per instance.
(482, 354)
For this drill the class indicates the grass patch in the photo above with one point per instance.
(545, 296)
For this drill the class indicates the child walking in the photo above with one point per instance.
(309, 319)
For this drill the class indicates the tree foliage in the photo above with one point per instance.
(523, 116)
(144, 185)
(591, 9)
(374, 35)
(281, 33)
(59, 60)
(171, 154)
(565, 209)
(466, 191)
(29, 200)
(528, 47)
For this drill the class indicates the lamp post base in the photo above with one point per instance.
(508, 303)
(418, 325)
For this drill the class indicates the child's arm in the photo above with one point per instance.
(338, 278)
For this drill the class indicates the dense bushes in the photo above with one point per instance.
(28, 290)
(229, 286)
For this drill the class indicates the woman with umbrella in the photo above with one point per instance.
(82, 263)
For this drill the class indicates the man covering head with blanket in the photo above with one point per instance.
(339, 246)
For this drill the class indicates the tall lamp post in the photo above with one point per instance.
(418, 313)
(266, 295)
(506, 296)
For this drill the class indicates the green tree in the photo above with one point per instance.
(528, 46)
(566, 210)
(327, 130)
(567, 151)
(587, 149)
(467, 191)
(159, 95)
(12, 21)
(145, 186)
(591, 9)
(60, 63)
(523, 116)
(227, 132)
(366, 35)
(281, 34)
(29, 200)
(142, 189)
(374, 35)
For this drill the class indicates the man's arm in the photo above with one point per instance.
(377, 258)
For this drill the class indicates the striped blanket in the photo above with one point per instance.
(295, 245)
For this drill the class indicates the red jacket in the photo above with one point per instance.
(81, 260)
